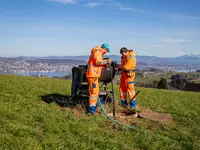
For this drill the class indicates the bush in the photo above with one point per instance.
(162, 84)
(179, 83)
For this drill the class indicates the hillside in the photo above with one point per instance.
(190, 59)
(27, 122)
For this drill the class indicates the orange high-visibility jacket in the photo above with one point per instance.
(96, 62)
(129, 62)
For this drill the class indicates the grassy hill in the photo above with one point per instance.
(27, 122)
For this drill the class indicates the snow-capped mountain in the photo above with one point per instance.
(191, 55)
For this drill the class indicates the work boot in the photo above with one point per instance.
(91, 109)
(123, 102)
(133, 104)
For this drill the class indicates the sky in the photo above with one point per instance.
(73, 27)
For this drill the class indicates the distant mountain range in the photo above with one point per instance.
(190, 59)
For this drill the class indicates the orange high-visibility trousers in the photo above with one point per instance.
(93, 84)
(127, 86)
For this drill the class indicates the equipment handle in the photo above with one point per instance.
(132, 98)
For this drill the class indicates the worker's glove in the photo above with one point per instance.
(107, 66)
(119, 67)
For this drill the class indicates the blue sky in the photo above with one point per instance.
(72, 27)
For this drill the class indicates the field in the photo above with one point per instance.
(197, 81)
(152, 78)
(27, 122)
(158, 76)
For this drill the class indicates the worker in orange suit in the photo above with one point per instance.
(93, 73)
(128, 65)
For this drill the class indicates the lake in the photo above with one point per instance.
(49, 74)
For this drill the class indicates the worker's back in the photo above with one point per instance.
(93, 69)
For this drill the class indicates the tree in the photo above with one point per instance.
(173, 84)
(155, 85)
(162, 84)
(155, 82)
(177, 76)
(181, 83)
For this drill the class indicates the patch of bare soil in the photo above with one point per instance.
(128, 117)
(155, 116)
(125, 116)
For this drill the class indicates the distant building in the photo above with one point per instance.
(169, 80)
(147, 73)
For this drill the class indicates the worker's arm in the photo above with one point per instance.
(99, 59)
(130, 63)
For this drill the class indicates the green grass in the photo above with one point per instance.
(26, 122)
(152, 78)
(196, 81)
(157, 77)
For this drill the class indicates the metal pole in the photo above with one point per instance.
(113, 91)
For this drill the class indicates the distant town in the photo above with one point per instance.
(64, 64)
(148, 74)
(22, 65)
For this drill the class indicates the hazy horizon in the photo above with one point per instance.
(104, 55)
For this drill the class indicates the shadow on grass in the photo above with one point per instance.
(64, 100)
(59, 99)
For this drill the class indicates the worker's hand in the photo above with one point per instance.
(120, 67)
(109, 60)
(107, 66)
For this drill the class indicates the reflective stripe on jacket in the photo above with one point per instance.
(129, 62)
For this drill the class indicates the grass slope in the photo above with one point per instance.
(26, 122)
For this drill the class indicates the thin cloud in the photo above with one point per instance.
(64, 1)
(115, 4)
(125, 8)
(171, 40)
(184, 17)
(94, 4)
(112, 3)
(131, 9)
(121, 7)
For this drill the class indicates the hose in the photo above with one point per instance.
(117, 122)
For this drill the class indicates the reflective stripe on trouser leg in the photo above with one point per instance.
(122, 94)
(94, 92)
(131, 91)
(92, 104)
(133, 104)
(93, 101)
(123, 90)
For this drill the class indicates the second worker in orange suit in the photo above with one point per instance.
(128, 65)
